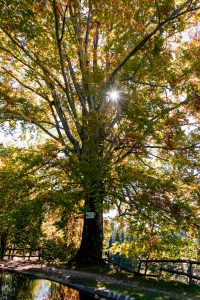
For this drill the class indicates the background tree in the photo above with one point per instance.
(157, 206)
(62, 63)
(24, 187)
(32, 189)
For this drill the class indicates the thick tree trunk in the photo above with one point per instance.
(93, 173)
(90, 251)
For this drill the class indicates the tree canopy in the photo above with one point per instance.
(114, 84)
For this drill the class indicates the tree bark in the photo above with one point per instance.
(93, 174)
(90, 251)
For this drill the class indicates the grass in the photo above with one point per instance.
(143, 288)
(169, 291)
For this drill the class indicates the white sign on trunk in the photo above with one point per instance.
(89, 215)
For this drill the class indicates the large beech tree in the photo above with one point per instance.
(62, 63)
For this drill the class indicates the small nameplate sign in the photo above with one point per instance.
(89, 215)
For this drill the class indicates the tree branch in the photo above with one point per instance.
(144, 162)
(35, 60)
(76, 85)
(167, 110)
(59, 42)
(144, 83)
(88, 27)
(158, 11)
(177, 13)
(95, 47)
(28, 87)
(63, 120)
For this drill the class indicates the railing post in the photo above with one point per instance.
(9, 253)
(139, 267)
(160, 273)
(30, 252)
(190, 272)
(13, 253)
(23, 254)
(39, 254)
(146, 266)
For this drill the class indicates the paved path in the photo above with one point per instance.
(68, 277)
